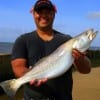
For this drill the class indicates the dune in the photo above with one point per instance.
(87, 86)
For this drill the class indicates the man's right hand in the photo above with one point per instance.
(38, 82)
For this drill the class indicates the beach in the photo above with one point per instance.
(85, 87)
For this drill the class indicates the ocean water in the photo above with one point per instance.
(6, 47)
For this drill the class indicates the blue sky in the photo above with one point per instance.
(73, 17)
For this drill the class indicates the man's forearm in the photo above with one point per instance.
(83, 65)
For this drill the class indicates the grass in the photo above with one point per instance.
(95, 62)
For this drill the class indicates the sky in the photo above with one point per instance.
(72, 17)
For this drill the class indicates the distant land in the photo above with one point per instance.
(94, 48)
(6, 47)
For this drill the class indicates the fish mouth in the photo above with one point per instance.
(92, 34)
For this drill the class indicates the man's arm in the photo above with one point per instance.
(19, 67)
(82, 63)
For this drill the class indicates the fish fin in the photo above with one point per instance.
(10, 87)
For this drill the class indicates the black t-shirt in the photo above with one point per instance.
(31, 47)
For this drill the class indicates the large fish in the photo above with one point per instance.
(53, 65)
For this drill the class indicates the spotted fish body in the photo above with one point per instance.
(54, 65)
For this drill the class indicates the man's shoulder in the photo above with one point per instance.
(63, 35)
(27, 35)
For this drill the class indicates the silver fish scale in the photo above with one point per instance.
(53, 67)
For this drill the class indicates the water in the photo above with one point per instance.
(6, 47)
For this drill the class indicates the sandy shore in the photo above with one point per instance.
(85, 87)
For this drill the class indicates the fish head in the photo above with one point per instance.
(83, 41)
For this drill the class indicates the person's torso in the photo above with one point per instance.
(38, 48)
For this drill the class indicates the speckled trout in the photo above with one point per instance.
(54, 65)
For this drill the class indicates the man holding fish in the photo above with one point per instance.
(31, 47)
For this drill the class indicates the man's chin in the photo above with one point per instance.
(44, 26)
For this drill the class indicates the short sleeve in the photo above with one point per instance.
(19, 49)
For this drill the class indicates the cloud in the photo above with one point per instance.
(94, 15)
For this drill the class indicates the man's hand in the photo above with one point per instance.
(81, 62)
(38, 82)
(78, 55)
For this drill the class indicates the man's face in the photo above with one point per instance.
(44, 18)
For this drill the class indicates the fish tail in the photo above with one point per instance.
(10, 87)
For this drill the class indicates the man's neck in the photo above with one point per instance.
(45, 35)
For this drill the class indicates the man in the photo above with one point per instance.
(31, 47)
